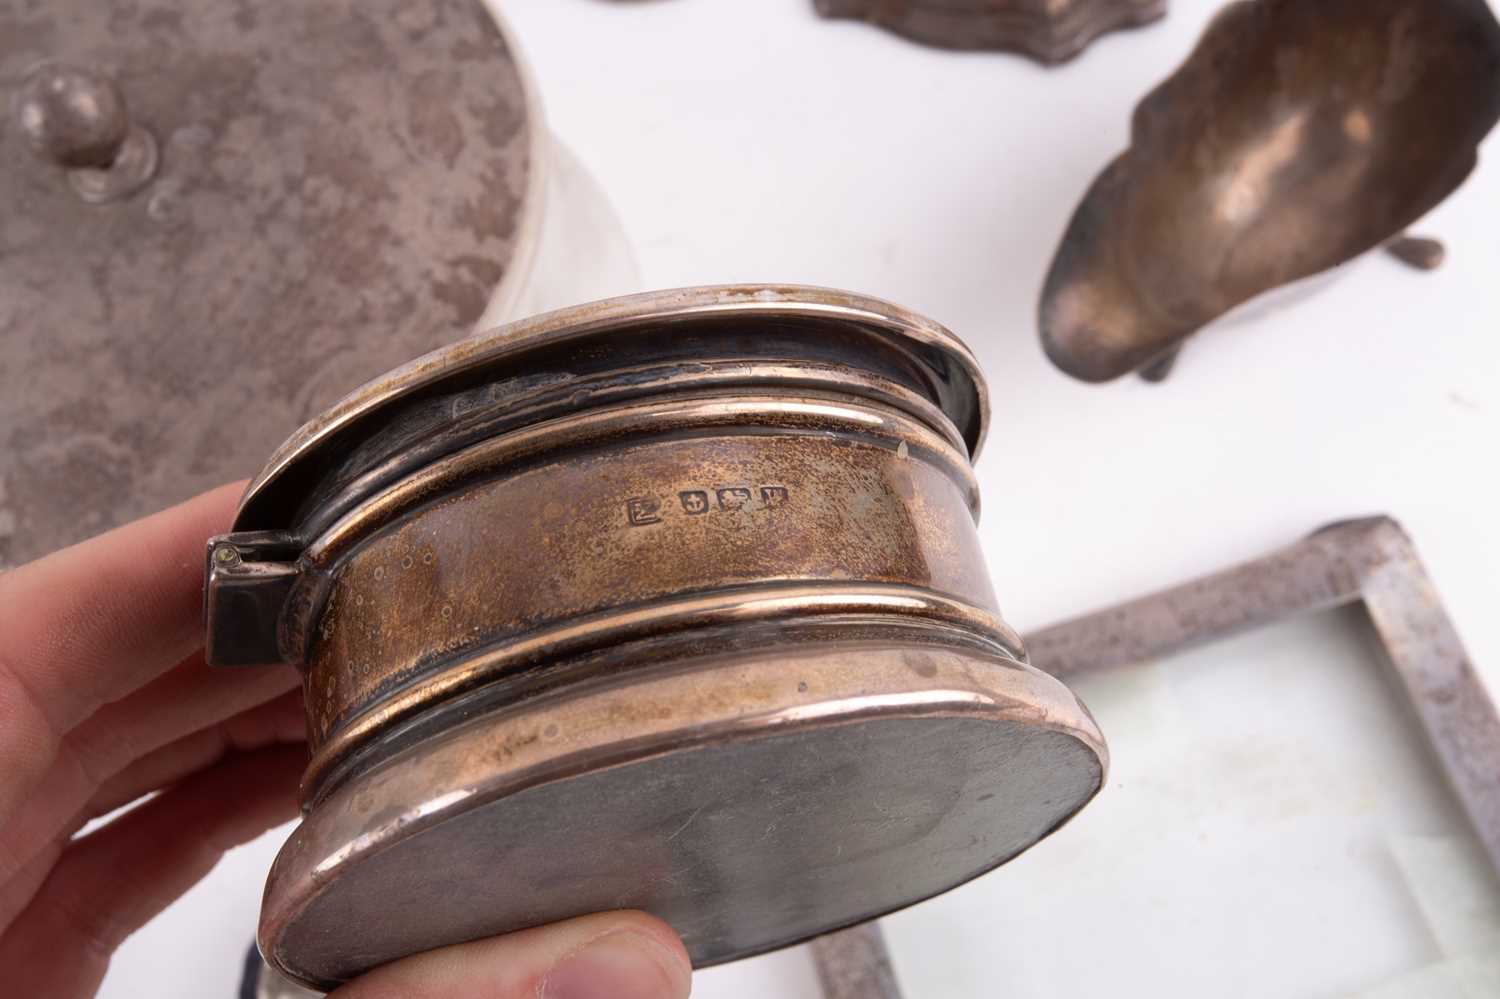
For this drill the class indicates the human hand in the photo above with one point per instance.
(105, 699)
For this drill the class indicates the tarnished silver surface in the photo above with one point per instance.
(1370, 562)
(261, 981)
(750, 801)
(1050, 31)
(671, 602)
(340, 187)
(855, 964)
(1296, 136)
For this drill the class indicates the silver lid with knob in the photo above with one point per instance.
(219, 218)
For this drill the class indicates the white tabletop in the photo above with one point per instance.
(751, 141)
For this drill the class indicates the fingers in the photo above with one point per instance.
(107, 884)
(188, 697)
(281, 721)
(19, 889)
(278, 722)
(91, 623)
(611, 955)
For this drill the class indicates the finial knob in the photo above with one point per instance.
(76, 119)
(73, 117)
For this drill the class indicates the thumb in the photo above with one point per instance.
(610, 955)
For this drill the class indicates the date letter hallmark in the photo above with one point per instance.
(643, 510)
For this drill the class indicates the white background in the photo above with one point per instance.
(746, 140)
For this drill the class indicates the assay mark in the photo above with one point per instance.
(643, 510)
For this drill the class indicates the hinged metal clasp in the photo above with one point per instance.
(250, 577)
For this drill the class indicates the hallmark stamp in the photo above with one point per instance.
(773, 496)
(643, 510)
(733, 498)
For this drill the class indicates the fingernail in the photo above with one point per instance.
(619, 965)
